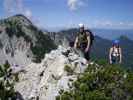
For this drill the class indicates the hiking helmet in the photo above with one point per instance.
(116, 42)
(81, 25)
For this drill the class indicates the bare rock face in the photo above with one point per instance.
(15, 46)
(15, 50)
(44, 81)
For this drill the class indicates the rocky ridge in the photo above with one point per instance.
(44, 81)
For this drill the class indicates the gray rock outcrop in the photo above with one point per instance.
(44, 81)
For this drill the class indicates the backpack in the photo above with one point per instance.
(92, 37)
(82, 38)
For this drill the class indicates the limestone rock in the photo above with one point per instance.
(43, 81)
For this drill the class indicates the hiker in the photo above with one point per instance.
(115, 53)
(84, 41)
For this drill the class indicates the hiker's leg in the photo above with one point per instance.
(87, 56)
(118, 60)
(114, 60)
(82, 48)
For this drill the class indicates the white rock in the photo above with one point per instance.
(125, 75)
(44, 80)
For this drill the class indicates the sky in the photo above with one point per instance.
(114, 14)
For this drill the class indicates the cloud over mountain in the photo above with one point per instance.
(75, 4)
(16, 6)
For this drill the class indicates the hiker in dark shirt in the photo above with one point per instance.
(84, 41)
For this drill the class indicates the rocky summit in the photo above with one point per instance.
(56, 72)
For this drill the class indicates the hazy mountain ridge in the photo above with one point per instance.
(113, 33)
(105, 33)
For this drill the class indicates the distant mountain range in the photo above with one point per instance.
(113, 33)
(105, 33)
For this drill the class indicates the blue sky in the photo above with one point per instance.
(69, 13)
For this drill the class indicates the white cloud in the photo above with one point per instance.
(20, 5)
(75, 4)
(72, 4)
(8, 6)
(102, 23)
(121, 23)
(16, 6)
(13, 6)
(28, 13)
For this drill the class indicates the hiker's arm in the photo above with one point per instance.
(76, 42)
(110, 57)
(88, 44)
(120, 56)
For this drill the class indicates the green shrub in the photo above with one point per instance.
(106, 82)
(102, 62)
(6, 83)
(68, 69)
